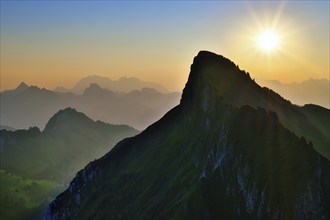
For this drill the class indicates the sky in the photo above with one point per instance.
(55, 43)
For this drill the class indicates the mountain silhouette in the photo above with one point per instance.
(22, 108)
(229, 150)
(8, 128)
(38, 164)
(94, 90)
(70, 134)
(61, 89)
(29, 106)
(309, 91)
(124, 84)
(22, 87)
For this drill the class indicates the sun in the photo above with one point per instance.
(268, 41)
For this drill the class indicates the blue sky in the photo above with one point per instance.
(53, 43)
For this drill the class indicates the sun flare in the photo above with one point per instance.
(268, 41)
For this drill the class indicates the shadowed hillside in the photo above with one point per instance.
(36, 165)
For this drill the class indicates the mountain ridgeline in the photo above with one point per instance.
(69, 141)
(20, 108)
(229, 150)
(315, 91)
(124, 84)
(36, 165)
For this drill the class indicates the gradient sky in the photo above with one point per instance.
(55, 43)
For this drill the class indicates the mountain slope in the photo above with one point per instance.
(69, 141)
(35, 165)
(235, 87)
(320, 117)
(214, 156)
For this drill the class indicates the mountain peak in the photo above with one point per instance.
(214, 76)
(94, 86)
(205, 55)
(22, 86)
(216, 155)
(94, 89)
(65, 120)
(123, 84)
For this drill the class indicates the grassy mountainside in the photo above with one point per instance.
(35, 165)
(320, 117)
(215, 156)
(24, 198)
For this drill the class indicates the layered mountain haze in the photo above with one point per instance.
(61, 89)
(229, 150)
(29, 106)
(124, 84)
(22, 108)
(316, 91)
(36, 165)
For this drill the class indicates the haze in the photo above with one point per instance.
(56, 43)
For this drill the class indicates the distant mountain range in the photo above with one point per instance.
(316, 91)
(230, 150)
(36, 165)
(124, 84)
(28, 106)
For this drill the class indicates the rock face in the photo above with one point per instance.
(220, 154)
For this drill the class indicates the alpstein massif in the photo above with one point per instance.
(229, 150)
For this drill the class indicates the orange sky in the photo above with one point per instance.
(53, 44)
